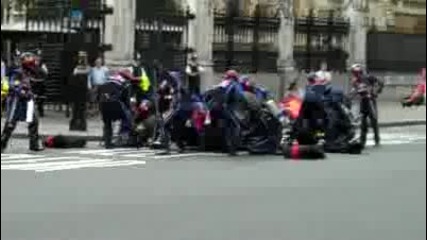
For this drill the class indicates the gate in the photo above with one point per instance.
(59, 36)
(248, 44)
(163, 36)
(321, 40)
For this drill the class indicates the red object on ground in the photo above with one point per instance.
(50, 142)
(295, 151)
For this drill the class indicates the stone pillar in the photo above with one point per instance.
(203, 32)
(357, 47)
(120, 32)
(286, 45)
(192, 4)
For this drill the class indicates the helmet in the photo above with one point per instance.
(245, 80)
(357, 69)
(28, 60)
(312, 78)
(232, 75)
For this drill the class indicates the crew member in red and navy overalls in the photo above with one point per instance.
(20, 103)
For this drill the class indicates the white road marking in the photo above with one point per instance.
(102, 158)
(38, 158)
(189, 155)
(39, 164)
(18, 156)
(101, 164)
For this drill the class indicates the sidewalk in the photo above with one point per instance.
(391, 115)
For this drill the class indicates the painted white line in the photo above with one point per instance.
(189, 155)
(94, 165)
(36, 166)
(140, 155)
(52, 159)
(19, 156)
(99, 151)
(108, 153)
(390, 143)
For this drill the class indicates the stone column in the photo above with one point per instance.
(120, 32)
(286, 45)
(203, 31)
(192, 4)
(357, 47)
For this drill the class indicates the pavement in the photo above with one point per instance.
(391, 115)
(126, 194)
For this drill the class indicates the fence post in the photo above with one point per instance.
(330, 58)
(204, 20)
(310, 23)
(255, 45)
(230, 27)
(358, 33)
(120, 33)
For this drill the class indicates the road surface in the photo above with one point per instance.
(96, 194)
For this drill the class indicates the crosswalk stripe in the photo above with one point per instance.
(189, 155)
(49, 159)
(109, 152)
(19, 156)
(38, 165)
(106, 164)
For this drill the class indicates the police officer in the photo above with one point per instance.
(21, 104)
(367, 88)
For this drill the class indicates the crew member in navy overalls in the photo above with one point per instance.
(234, 93)
(20, 103)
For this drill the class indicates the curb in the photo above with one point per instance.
(406, 123)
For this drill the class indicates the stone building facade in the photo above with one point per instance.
(402, 16)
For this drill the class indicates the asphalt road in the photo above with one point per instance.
(380, 195)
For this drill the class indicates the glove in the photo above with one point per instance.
(188, 124)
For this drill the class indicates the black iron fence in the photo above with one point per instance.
(246, 43)
(50, 27)
(319, 40)
(163, 37)
(250, 44)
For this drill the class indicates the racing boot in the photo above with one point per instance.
(35, 144)
(4, 142)
(6, 135)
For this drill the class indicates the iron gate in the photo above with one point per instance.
(321, 40)
(248, 44)
(60, 37)
(162, 35)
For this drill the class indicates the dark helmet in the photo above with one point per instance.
(312, 78)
